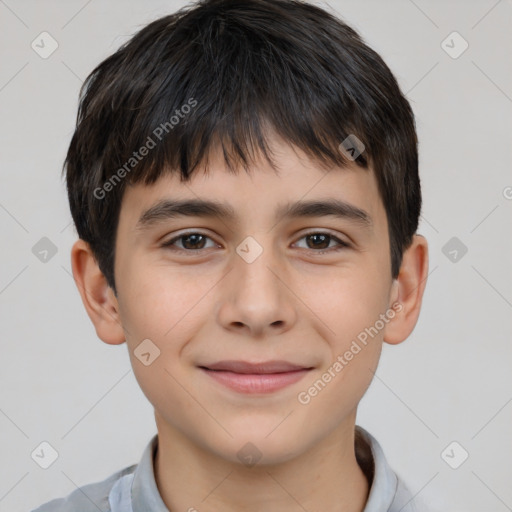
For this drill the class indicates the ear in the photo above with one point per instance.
(98, 298)
(407, 291)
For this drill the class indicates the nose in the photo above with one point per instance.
(255, 298)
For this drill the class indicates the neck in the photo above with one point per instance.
(325, 477)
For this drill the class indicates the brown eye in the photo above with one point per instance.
(189, 242)
(319, 242)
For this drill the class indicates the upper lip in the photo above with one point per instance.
(263, 367)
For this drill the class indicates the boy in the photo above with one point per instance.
(269, 134)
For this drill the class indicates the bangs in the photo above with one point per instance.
(189, 102)
(230, 77)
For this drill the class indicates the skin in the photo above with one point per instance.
(290, 303)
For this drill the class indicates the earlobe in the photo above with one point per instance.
(97, 297)
(408, 290)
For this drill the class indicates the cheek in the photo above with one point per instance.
(346, 301)
(159, 302)
(354, 343)
(161, 306)
(349, 305)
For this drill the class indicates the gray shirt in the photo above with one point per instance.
(134, 489)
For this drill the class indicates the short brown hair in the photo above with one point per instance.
(238, 66)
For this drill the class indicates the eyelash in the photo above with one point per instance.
(341, 243)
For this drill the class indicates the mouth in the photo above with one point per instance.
(264, 377)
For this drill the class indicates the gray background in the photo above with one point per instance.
(451, 381)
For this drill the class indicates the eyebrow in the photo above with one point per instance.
(167, 209)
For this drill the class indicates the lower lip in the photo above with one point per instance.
(256, 383)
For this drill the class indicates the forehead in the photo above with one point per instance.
(261, 193)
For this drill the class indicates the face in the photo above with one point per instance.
(303, 288)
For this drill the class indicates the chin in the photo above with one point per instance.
(259, 445)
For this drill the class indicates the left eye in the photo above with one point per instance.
(320, 239)
(196, 241)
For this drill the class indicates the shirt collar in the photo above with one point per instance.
(145, 495)
(385, 482)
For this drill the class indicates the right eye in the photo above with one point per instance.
(189, 241)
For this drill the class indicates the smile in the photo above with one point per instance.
(255, 378)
